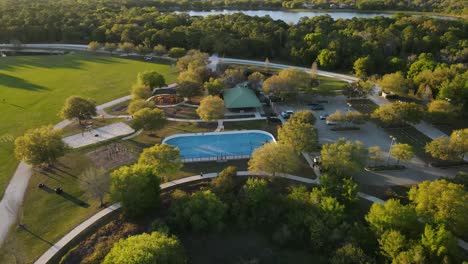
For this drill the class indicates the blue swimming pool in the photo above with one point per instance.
(219, 145)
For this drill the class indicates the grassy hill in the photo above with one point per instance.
(33, 89)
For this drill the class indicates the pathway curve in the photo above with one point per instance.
(70, 236)
(14, 193)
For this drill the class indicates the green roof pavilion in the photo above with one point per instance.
(240, 97)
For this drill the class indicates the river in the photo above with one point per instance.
(293, 17)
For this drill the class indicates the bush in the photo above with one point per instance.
(176, 52)
(147, 248)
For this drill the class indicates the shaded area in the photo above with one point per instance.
(15, 82)
(25, 228)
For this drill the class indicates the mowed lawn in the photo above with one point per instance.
(33, 89)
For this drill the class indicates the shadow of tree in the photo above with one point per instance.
(68, 61)
(75, 200)
(15, 82)
(25, 228)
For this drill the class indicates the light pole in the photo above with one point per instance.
(349, 106)
(391, 144)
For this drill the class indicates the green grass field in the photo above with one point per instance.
(33, 89)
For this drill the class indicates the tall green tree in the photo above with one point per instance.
(199, 212)
(39, 146)
(399, 112)
(402, 152)
(137, 189)
(162, 158)
(343, 157)
(211, 108)
(149, 119)
(152, 79)
(273, 158)
(303, 116)
(79, 108)
(300, 136)
(395, 83)
(95, 182)
(441, 202)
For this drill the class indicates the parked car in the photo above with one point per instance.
(287, 114)
(331, 123)
(317, 107)
(274, 120)
(324, 117)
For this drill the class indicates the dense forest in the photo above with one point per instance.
(421, 48)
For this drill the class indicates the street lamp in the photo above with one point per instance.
(391, 144)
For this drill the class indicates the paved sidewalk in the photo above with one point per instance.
(13, 198)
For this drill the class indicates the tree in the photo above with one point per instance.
(79, 108)
(95, 182)
(449, 148)
(201, 211)
(142, 50)
(456, 90)
(395, 83)
(193, 59)
(162, 158)
(39, 146)
(287, 83)
(232, 77)
(127, 47)
(350, 254)
(441, 202)
(224, 185)
(392, 215)
(94, 45)
(152, 79)
(358, 89)
(211, 108)
(149, 119)
(415, 254)
(255, 199)
(159, 50)
(140, 92)
(303, 116)
(255, 80)
(188, 89)
(362, 66)
(110, 47)
(176, 52)
(327, 59)
(375, 154)
(139, 104)
(274, 157)
(441, 111)
(300, 136)
(392, 242)
(439, 242)
(402, 152)
(137, 189)
(343, 157)
(214, 86)
(399, 112)
(147, 248)
(338, 117)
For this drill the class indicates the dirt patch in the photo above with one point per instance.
(120, 108)
(112, 156)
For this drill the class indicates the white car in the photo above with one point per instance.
(287, 114)
(331, 123)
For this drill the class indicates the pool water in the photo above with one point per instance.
(219, 145)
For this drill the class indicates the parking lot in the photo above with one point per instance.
(370, 135)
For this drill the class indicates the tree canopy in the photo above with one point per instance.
(79, 108)
(162, 158)
(211, 108)
(343, 157)
(152, 79)
(148, 119)
(274, 157)
(145, 249)
(41, 145)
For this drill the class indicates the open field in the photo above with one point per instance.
(33, 89)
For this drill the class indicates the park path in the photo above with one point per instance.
(70, 236)
(14, 193)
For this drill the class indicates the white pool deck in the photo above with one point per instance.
(98, 135)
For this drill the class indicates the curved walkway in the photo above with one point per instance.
(69, 237)
(14, 193)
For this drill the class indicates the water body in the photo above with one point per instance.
(293, 17)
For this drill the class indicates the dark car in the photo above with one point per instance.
(317, 107)
(274, 120)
